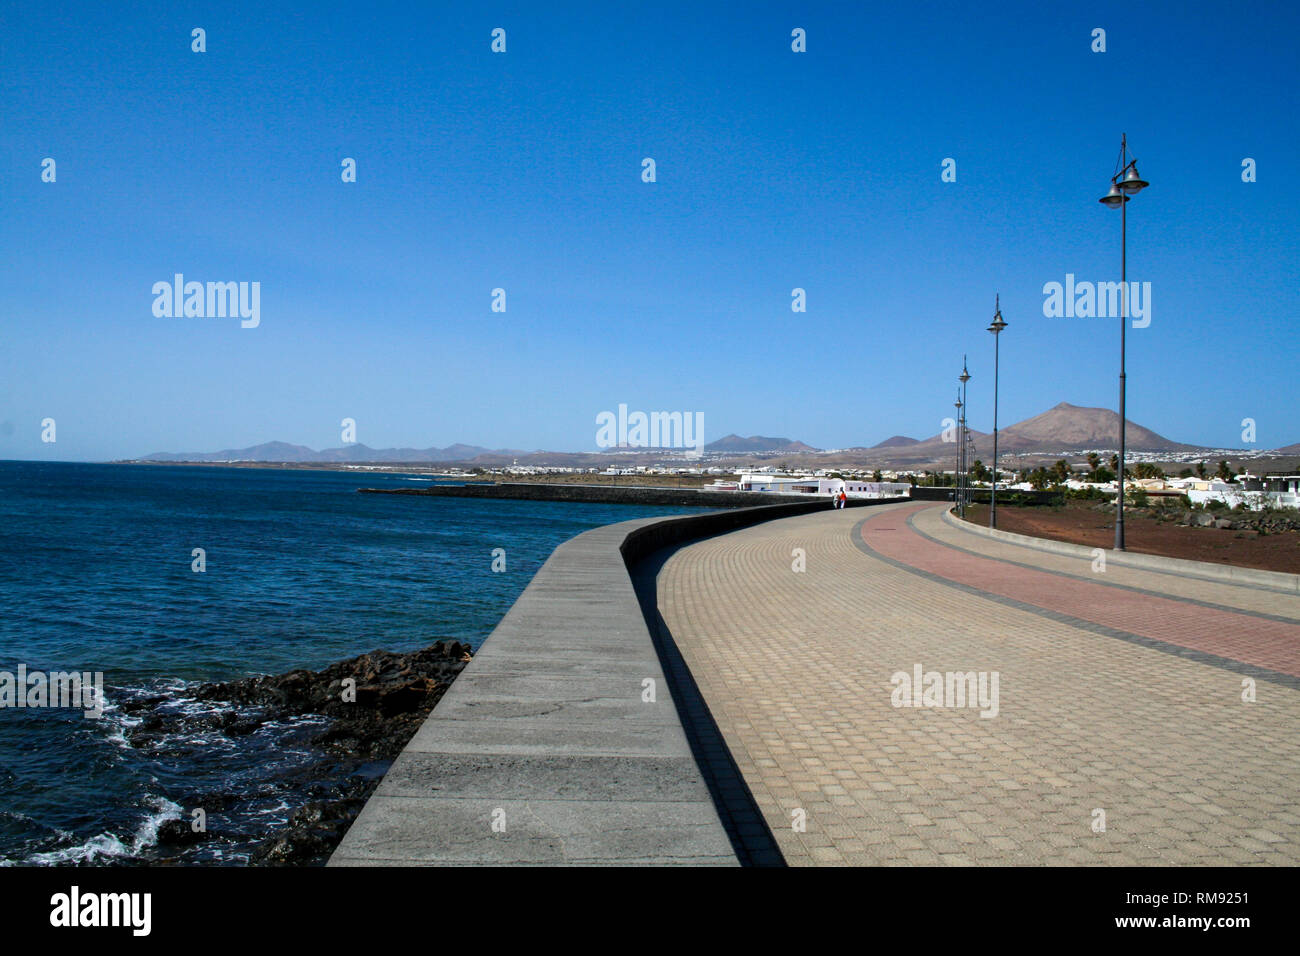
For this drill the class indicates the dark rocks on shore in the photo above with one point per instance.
(1260, 522)
(315, 828)
(374, 702)
(177, 833)
(377, 700)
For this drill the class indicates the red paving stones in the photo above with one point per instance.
(1241, 637)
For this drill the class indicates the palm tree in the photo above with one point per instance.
(1094, 460)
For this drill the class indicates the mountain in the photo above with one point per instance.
(1061, 429)
(1070, 427)
(267, 451)
(278, 451)
(896, 441)
(757, 443)
(1290, 449)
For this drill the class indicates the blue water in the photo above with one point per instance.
(301, 570)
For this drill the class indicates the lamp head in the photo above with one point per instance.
(1114, 198)
(1132, 183)
(998, 325)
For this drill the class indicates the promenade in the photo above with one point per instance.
(1118, 733)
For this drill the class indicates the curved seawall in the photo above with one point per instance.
(561, 742)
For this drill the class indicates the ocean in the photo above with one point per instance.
(97, 569)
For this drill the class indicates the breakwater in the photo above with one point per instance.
(644, 495)
(610, 494)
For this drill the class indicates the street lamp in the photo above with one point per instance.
(970, 457)
(996, 328)
(956, 472)
(1123, 184)
(965, 458)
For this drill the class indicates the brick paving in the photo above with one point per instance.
(1224, 632)
(1252, 599)
(1123, 697)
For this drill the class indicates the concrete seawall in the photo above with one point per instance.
(563, 741)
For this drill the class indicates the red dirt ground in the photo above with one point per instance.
(1078, 522)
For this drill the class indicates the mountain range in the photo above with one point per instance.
(279, 451)
(1062, 429)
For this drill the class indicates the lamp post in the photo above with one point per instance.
(970, 457)
(996, 328)
(965, 459)
(956, 472)
(1123, 184)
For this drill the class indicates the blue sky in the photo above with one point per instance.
(522, 170)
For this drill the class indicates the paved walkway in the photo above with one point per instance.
(1119, 697)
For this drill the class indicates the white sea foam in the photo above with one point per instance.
(107, 846)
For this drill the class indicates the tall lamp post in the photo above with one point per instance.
(970, 457)
(996, 328)
(1123, 184)
(965, 460)
(956, 473)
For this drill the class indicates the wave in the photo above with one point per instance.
(108, 847)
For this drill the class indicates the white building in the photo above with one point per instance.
(1286, 493)
(813, 485)
(781, 484)
(1276, 491)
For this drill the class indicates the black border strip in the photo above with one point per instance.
(750, 836)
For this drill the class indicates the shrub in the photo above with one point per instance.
(1090, 493)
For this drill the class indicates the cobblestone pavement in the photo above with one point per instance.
(1118, 733)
